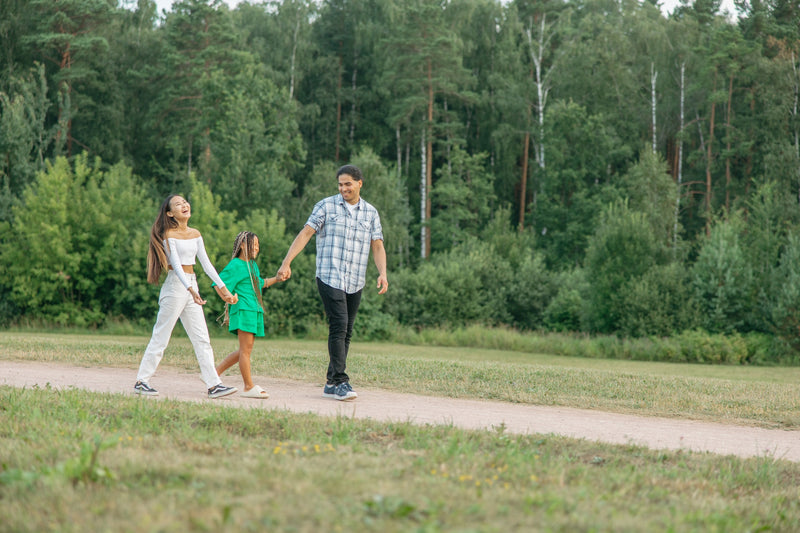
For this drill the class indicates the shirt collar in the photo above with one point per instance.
(340, 200)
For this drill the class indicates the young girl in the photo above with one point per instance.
(174, 247)
(245, 318)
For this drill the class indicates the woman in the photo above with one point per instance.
(174, 246)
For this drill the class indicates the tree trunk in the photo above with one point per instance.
(728, 147)
(423, 193)
(653, 76)
(679, 166)
(338, 109)
(796, 70)
(399, 154)
(523, 181)
(353, 83)
(709, 154)
(294, 56)
(429, 160)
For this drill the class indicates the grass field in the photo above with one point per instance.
(73, 461)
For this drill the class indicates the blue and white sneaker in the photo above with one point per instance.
(218, 391)
(144, 389)
(344, 391)
(329, 391)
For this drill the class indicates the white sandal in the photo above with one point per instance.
(255, 392)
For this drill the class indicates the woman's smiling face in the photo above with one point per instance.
(179, 208)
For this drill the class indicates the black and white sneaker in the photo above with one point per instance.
(144, 389)
(329, 391)
(344, 391)
(218, 391)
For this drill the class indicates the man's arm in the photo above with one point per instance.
(285, 271)
(379, 255)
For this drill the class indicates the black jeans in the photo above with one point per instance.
(340, 309)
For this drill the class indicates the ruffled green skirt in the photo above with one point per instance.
(250, 321)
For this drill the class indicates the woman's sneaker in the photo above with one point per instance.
(329, 391)
(343, 391)
(218, 391)
(144, 389)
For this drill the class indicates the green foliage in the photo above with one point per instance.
(723, 280)
(652, 191)
(76, 253)
(461, 199)
(566, 310)
(785, 314)
(620, 252)
(255, 138)
(466, 285)
(23, 135)
(660, 302)
(262, 102)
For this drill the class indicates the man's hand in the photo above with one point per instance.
(284, 273)
(383, 284)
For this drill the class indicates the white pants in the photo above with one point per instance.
(176, 302)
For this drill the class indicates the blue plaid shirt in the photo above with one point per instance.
(344, 241)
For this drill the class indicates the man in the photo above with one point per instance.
(347, 227)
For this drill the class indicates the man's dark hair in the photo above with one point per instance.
(352, 171)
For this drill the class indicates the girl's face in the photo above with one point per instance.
(179, 208)
(254, 248)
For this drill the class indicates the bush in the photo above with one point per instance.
(723, 280)
(464, 286)
(622, 249)
(657, 303)
(563, 312)
(76, 253)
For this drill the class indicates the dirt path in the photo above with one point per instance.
(656, 433)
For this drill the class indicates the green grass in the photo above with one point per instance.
(759, 396)
(71, 461)
(75, 462)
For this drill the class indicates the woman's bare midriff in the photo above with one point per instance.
(189, 269)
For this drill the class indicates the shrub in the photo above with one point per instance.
(723, 280)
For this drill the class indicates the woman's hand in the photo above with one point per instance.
(226, 295)
(196, 297)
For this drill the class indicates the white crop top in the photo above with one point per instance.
(183, 252)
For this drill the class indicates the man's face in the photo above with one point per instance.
(349, 188)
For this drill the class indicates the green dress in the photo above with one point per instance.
(246, 314)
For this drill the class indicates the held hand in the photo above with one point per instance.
(383, 284)
(229, 298)
(196, 297)
(284, 273)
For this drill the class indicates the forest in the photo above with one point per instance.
(584, 166)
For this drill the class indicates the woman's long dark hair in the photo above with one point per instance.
(156, 256)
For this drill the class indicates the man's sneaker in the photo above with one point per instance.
(329, 391)
(144, 389)
(218, 391)
(344, 391)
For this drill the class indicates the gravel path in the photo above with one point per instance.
(376, 404)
